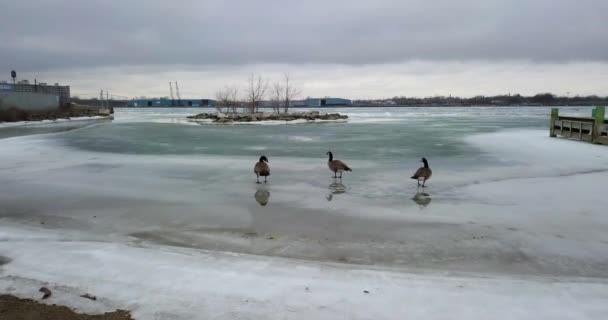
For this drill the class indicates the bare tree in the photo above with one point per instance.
(233, 97)
(227, 99)
(276, 98)
(291, 92)
(256, 90)
(223, 99)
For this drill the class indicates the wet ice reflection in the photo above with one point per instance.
(423, 199)
(335, 188)
(262, 196)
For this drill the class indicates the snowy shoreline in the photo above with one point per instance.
(158, 282)
(75, 119)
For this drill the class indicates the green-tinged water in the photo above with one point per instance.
(389, 134)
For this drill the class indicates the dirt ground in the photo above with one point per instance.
(13, 308)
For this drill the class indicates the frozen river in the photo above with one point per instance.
(504, 199)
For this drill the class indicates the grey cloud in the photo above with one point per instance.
(57, 34)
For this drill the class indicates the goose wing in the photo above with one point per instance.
(420, 173)
(261, 168)
(339, 165)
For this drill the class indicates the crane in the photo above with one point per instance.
(179, 97)
(171, 93)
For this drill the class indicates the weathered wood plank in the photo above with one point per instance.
(554, 117)
(602, 140)
(599, 114)
(593, 129)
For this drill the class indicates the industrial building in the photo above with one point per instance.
(25, 96)
(166, 102)
(322, 102)
(63, 92)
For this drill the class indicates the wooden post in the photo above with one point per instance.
(598, 123)
(554, 116)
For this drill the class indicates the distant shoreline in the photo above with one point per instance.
(381, 106)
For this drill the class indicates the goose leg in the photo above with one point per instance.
(335, 174)
(265, 179)
(257, 177)
(423, 182)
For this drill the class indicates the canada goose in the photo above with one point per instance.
(336, 165)
(261, 169)
(423, 173)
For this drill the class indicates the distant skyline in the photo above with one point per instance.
(357, 50)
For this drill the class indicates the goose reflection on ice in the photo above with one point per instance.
(334, 189)
(262, 196)
(422, 199)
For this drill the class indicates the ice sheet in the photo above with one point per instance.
(168, 283)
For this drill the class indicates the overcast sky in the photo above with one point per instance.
(351, 48)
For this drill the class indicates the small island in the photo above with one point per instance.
(220, 117)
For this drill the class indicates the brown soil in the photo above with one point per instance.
(13, 308)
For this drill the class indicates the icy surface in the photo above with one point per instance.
(162, 283)
(21, 128)
(505, 202)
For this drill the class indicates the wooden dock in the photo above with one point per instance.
(593, 129)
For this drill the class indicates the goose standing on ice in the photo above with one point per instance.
(336, 165)
(261, 169)
(423, 173)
